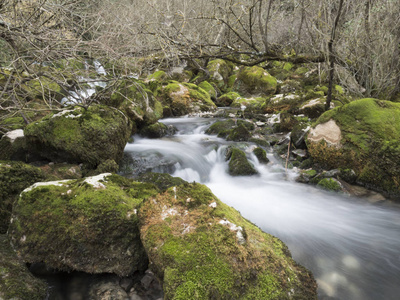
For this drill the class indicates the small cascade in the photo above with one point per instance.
(350, 245)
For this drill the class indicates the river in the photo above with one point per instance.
(351, 246)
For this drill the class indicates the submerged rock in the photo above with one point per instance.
(261, 155)
(157, 130)
(200, 248)
(88, 136)
(16, 282)
(364, 136)
(86, 225)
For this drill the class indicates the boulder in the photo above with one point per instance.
(261, 155)
(17, 283)
(220, 71)
(238, 163)
(185, 98)
(255, 81)
(205, 85)
(200, 248)
(157, 130)
(364, 136)
(14, 178)
(233, 130)
(79, 135)
(87, 225)
(13, 145)
(227, 99)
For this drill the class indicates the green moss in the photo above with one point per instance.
(206, 86)
(329, 184)
(370, 142)
(16, 280)
(156, 130)
(43, 88)
(301, 70)
(197, 255)
(255, 80)
(239, 165)
(162, 180)
(14, 178)
(158, 76)
(76, 226)
(230, 128)
(239, 133)
(287, 66)
(261, 155)
(227, 99)
(90, 136)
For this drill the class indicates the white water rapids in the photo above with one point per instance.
(350, 245)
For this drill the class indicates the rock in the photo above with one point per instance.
(86, 225)
(13, 145)
(206, 86)
(14, 178)
(238, 163)
(298, 135)
(306, 175)
(219, 255)
(220, 71)
(107, 288)
(62, 171)
(185, 98)
(330, 184)
(261, 155)
(314, 107)
(89, 136)
(358, 136)
(17, 282)
(138, 103)
(255, 80)
(227, 99)
(162, 180)
(230, 129)
(286, 123)
(157, 130)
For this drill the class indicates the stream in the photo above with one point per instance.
(350, 245)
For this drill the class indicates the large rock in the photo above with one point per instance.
(14, 178)
(201, 248)
(80, 135)
(13, 145)
(364, 136)
(185, 98)
(133, 97)
(16, 282)
(220, 71)
(238, 163)
(255, 81)
(87, 225)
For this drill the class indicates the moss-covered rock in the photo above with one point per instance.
(13, 145)
(364, 136)
(185, 98)
(234, 130)
(87, 225)
(238, 163)
(206, 86)
(330, 184)
(136, 100)
(43, 88)
(17, 282)
(14, 177)
(158, 76)
(162, 180)
(226, 100)
(253, 104)
(261, 155)
(201, 248)
(255, 80)
(157, 130)
(88, 136)
(220, 71)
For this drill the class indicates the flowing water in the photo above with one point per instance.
(350, 245)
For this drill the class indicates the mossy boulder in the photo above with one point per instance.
(226, 100)
(79, 135)
(206, 86)
(200, 248)
(14, 178)
(86, 225)
(253, 104)
(233, 130)
(220, 71)
(157, 130)
(43, 88)
(17, 282)
(330, 184)
(255, 81)
(364, 136)
(13, 145)
(136, 100)
(185, 98)
(261, 155)
(239, 164)
(163, 181)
